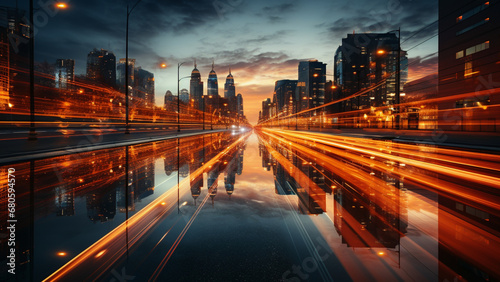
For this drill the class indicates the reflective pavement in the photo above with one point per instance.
(270, 205)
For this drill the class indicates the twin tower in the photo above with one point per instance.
(213, 98)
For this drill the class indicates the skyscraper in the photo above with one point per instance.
(310, 91)
(366, 59)
(4, 76)
(196, 89)
(64, 73)
(120, 74)
(239, 102)
(213, 88)
(230, 93)
(101, 67)
(144, 87)
(468, 64)
(284, 91)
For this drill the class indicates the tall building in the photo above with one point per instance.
(101, 67)
(64, 73)
(266, 109)
(468, 64)
(144, 87)
(213, 88)
(366, 59)
(14, 47)
(184, 96)
(169, 101)
(239, 102)
(196, 89)
(230, 92)
(120, 75)
(468, 88)
(4, 76)
(284, 91)
(310, 91)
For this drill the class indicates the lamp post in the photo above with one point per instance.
(178, 98)
(398, 80)
(32, 133)
(203, 99)
(178, 101)
(211, 114)
(127, 125)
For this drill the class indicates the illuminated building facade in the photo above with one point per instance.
(196, 89)
(468, 64)
(310, 91)
(64, 73)
(4, 76)
(213, 88)
(284, 91)
(364, 59)
(14, 51)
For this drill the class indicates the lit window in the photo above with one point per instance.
(468, 69)
(460, 54)
(470, 50)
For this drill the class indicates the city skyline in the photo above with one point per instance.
(270, 51)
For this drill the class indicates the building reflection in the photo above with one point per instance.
(466, 248)
(107, 182)
(363, 216)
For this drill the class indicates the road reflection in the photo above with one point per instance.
(275, 205)
(373, 182)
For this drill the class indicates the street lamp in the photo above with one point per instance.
(32, 132)
(127, 125)
(203, 99)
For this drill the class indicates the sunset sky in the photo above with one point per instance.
(261, 41)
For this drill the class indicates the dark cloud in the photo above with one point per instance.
(415, 18)
(275, 37)
(276, 13)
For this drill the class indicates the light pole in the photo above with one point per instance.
(127, 125)
(211, 114)
(203, 99)
(398, 80)
(32, 133)
(179, 97)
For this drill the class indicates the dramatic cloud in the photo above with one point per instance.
(262, 41)
(419, 67)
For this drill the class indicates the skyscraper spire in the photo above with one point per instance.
(194, 63)
(229, 70)
(213, 62)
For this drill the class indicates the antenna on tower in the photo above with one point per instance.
(194, 63)
(213, 62)
(229, 70)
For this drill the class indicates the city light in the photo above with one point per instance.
(380, 52)
(61, 5)
(62, 254)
